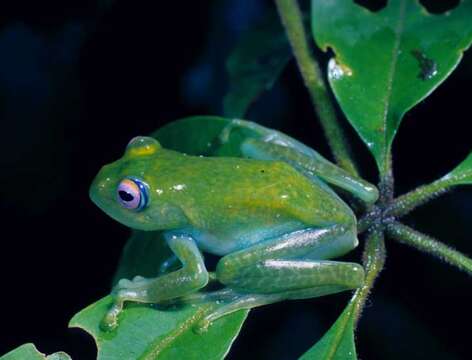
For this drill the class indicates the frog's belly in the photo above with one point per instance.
(225, 242)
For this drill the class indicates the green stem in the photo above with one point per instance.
(427, 244)
(373, 260)
(291, 17)
(368, 220)
(386, 184)
(407, 202)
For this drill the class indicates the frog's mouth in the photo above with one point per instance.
(106, 201)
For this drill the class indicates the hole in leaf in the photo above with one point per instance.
(372, 5)
(439, 7)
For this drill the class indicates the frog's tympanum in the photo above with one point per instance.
(268, 214)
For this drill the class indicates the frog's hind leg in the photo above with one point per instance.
(300, 279)
(292, 266)
(310, 163)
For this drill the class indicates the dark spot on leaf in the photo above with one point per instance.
(263, 171)
(428, 67)
(439, 7)
(372, 5)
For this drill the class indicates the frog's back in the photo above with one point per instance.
(249, 192)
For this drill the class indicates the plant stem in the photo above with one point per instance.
(407, 202)
(373, 260)
(425, 243)
(291, 17)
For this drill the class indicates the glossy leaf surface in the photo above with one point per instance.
(338, 342)
(462, 174)
(29, 352)
(387, 61)
(149, 332)
(255, 64)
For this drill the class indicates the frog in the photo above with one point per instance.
(272, 217)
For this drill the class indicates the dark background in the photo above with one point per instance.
(78, 79)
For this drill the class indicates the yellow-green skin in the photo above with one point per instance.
(275, 226)
(231, 202)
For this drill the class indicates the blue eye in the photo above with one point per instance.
(132, 194)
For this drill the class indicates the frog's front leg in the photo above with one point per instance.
(189, 278)
(292, 266)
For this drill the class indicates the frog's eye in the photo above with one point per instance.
(132, 194)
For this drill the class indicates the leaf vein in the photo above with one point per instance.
(391, 74)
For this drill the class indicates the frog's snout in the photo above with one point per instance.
(100, 189)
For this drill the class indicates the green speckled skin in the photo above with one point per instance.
(273, 221)
(222, 196)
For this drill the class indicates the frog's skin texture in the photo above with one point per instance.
(274, 223)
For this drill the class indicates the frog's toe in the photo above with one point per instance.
(137, 283)
(202, 326)
(124, 283)
(110, 320)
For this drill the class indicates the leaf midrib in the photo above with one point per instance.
(339, 336)
(391, 74)
(159, 345)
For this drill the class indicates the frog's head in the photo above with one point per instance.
(124, 189)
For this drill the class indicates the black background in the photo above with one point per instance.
(79, 79)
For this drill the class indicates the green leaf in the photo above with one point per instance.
(29, 352)
(255, 64)
(462, 174)
(145, 331)
(196, 135)
(148, 333)
(388, 61)
(338, 342)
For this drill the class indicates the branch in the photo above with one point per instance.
(423, 194)
(427, 244)
(373, 260)
(291, 17)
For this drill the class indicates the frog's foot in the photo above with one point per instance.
(110, 320)
(219, 296)
(136, 283)
(125, 290)
(238, 301)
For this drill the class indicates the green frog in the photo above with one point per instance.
(269, 215)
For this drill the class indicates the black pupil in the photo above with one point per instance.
(125, 196)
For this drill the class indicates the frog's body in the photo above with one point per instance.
(274, 224)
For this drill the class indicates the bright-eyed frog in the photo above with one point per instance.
(269, 215)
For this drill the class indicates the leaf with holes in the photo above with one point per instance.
(29, 352)
(149, 333)
(387, 61)
(255, 64)
(338, 342)
(462, 174)
(146, 332)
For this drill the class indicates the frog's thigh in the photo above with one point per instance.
(293, 261)
(310, 243)
(277, 280)
(288, 276)
(271, 281)
(292, 266)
